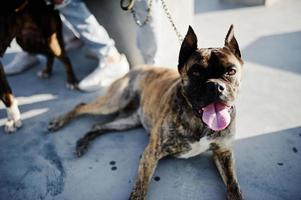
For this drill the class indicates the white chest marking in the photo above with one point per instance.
(197, 148)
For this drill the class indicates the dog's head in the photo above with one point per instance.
(211, 78)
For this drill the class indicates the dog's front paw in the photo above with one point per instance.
(43, 74)
(11, 125)
(136, 196)
(81, 147)
(138, 192)
(55, 124)
(234, 194)
(72, 86)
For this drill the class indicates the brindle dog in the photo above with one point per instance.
(37, 28)
(186, 113)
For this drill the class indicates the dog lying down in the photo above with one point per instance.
(186, 112)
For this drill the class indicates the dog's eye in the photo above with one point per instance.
(196, 73)
(231, 71)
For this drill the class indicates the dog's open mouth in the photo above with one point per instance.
(216, 116)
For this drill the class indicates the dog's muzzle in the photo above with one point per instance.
(215, 89)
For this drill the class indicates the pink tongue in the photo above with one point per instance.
(216, 116)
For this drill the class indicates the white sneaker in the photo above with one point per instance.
(21, 62)
(104, 75)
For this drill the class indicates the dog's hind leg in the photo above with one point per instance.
(46, 72)
(13, 114)
(117, 97)
(57, 47)
(119, 124)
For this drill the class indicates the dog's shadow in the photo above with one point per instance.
(46, 95)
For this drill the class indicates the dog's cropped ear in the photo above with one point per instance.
(189, 45)
(231, 42)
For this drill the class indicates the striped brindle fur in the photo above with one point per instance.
(166, 103)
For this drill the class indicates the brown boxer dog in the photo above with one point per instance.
(186, 112)
(37, 28)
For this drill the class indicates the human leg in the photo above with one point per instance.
(111, 65)
(148, 35)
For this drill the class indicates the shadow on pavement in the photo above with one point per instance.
(281, 51)
(50, 95)
(38, 165)
(205, 6)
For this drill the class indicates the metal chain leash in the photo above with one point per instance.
(167, 13)
(180, 38)
(148, 10)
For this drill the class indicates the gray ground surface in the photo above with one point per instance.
(37, 165)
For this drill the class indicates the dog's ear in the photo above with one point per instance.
(189, 45)
(231, 42)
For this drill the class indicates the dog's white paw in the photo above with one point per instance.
(13, 118)
(42, 74)
(11, 125)
(72, 86)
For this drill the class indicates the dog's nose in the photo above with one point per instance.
(216, 88)
(220, 88)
